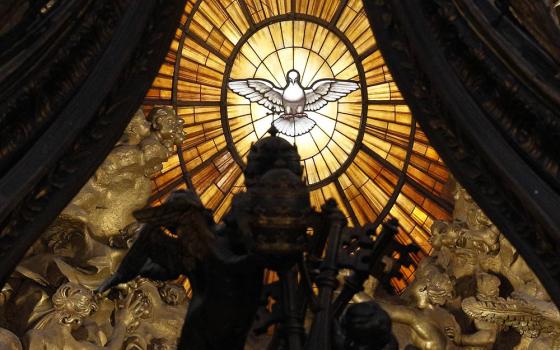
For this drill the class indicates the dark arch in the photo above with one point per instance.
(72, 76)
(487, 95)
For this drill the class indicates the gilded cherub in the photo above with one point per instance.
(73, 304)
(122, 183)
(424, 316)
(487, 289)
(167, 305)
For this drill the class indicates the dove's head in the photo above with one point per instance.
(293, 76)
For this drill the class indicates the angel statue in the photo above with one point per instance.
(180, 238)
(267, 227)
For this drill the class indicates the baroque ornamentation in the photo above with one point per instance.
(423, 314)
(9, 341)
(267, 227)
(77, 142)
(450, 93)
(472, 290)
(49, 300)
(122, 183)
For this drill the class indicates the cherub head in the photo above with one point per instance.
(487, 286)
(440, 288)
(72, 303)
(66, 237)
(173, 294)
(431, 287)
(445, 234)
(476, 219)
(464, 262)
(168, 127)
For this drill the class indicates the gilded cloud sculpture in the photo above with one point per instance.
(49, 301)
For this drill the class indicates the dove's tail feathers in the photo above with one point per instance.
(294, 126)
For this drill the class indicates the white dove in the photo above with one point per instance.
(293, 99)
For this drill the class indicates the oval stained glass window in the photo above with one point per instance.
(328, 137)
(364, 148)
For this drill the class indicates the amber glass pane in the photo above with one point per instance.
(364, 149)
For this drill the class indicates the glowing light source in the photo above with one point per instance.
(365, 150)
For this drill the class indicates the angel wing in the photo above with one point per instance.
(327, 90)
(260, 91)
(157, 253)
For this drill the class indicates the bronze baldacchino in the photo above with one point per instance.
(270, 226)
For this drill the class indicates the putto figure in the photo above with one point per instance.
(293, 100)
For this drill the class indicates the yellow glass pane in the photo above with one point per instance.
(286, 43)
(364, 213)
(311, 171)
(237, 16)
(322, 167)
(317, 198)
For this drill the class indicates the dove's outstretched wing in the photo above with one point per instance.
(327, 90)
(260, 91)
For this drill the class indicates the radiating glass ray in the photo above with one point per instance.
(364, 138)
(263, 9)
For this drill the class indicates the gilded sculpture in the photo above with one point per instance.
(470, 249)
(9, 341)
(267, 227)
(49, 301)
(72, 305)
(461, 283)
(487, 288)
(423, 313)
(122, 183)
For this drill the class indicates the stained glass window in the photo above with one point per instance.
(363, 148)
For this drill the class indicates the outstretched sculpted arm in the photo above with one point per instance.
(425, 334)
(484, 337)
(153, 255)
(127, 319)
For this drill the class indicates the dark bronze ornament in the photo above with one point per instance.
(365, 326)
(270, 226)
(279, 208)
